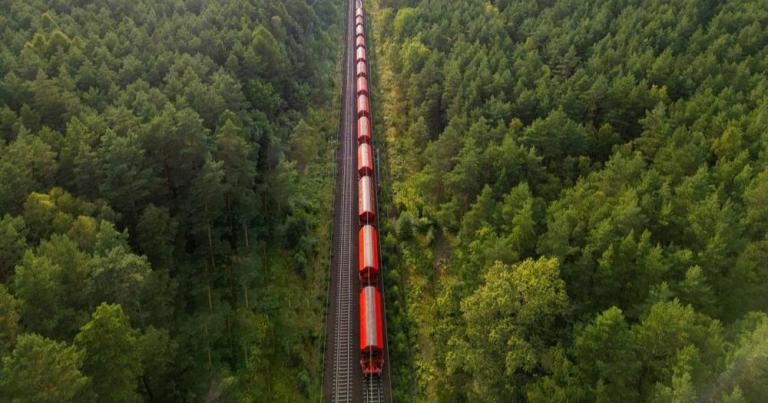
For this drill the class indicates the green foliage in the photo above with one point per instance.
(26, 165)
(121, 277)
(9, 321)
(508, 322)
(38, 284)
(12, 243)
(747, 364)
(268, 58)
(148, 167)
(156, 233)
(673, 342)
(624, 139)
(111, 354)
(157, 351)
(604, 352)
(42, 370)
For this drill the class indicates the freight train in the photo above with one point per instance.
(371, 324)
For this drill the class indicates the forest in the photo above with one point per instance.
(575, 199)
(165, 189)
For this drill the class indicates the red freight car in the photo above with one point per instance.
(362, 85)
(359, 30)
(364, 159)
(360, 42)
(371, 332)
(363, 130)
(359, 20)
(366, 200)
(360, 55)
(362, 69)
(363, 107)
(368, 267)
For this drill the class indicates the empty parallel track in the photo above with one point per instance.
(342, 378)
(343, 339)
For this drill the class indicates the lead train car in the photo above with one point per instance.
(371, 332)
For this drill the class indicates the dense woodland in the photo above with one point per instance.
(577, 199)
(165, 188)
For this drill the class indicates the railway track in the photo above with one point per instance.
(343, 340)
(373, 389)
(343, 379)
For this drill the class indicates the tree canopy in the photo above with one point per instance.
(623, 140)
(156, 208)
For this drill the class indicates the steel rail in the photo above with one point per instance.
(342, 390)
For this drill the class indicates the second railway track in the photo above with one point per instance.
(342, 379)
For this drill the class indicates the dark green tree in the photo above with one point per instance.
(12, 244)
(111, 354)
(42, 370)
(9, 321)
